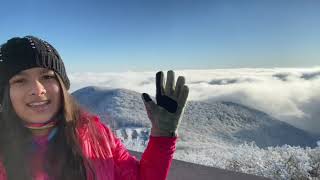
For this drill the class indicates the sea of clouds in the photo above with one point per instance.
(288, 94)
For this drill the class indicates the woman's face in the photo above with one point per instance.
(35, 95)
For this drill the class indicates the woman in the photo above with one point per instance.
(45, 134)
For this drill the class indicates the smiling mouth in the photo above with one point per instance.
(39, 103)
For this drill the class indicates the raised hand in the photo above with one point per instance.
(165, 115)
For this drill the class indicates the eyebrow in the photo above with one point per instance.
(43, 71)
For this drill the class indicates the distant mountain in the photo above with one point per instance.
(117, 107)
(203, 122)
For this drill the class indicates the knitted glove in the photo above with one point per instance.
(166, 114)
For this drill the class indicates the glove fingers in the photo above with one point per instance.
(180, 83)
(159, 84)
(182, 99)
(148, 102)
(151, 108)
(169, 83)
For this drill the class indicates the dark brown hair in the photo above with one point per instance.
(64, 161)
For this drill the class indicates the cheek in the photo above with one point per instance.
(55, 92)
(16, 97)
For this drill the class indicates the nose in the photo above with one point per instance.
(37, 89)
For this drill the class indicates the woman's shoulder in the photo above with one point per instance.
(89, 122)
(87, 117)
(96, 138)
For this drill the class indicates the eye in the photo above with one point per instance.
(49, 76)
(17, 81)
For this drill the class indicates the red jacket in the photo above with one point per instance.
(112, 161)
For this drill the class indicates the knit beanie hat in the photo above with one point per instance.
(19, 54)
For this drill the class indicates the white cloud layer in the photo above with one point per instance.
(289, 94)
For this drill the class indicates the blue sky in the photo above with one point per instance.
(143, 35)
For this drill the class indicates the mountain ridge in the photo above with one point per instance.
(202, 121)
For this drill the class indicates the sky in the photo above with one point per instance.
(151, 35)
(291, 95)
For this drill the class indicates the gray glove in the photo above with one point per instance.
(166, 114)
